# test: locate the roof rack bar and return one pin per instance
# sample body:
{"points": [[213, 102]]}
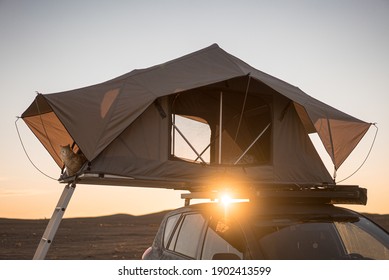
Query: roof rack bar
{"points": [[331, 194], [198, 195]]}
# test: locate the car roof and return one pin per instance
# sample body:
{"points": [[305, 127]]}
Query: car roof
{"points": [[250, 209]]}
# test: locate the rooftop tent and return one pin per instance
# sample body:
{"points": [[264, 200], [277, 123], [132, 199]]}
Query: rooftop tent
{"points": [[236, 122]]}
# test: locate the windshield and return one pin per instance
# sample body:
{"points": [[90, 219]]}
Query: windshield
{"points": [[322, 240]]}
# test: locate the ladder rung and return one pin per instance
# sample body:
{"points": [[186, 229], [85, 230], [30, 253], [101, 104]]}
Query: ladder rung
{"points": [[54, 222]]}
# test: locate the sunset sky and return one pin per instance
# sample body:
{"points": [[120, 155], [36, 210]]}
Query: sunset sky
{"points": [[336, 51]]}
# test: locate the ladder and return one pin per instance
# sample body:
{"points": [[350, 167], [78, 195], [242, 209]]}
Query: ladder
{"points": [[54, 222]]}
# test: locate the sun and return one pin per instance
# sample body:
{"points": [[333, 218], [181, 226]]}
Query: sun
{"points": [[226, 200]]}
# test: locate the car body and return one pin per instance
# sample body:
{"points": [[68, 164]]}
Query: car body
{"points": [[250, 230]]}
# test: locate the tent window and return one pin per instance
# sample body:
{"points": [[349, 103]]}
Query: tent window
{"points": [[191, 139], [245, 132]]}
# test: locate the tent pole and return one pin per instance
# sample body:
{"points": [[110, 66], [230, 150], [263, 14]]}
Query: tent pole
{"points": [[174, 135], [243, 107], [206, 148], [190, 145], [332, 147], [220, 127], [249, 147]]}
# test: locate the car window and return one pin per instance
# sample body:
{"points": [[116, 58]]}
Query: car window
{"points": [[170, 223], [302, 241], [223, 236], [363, 240], [186, 238]]}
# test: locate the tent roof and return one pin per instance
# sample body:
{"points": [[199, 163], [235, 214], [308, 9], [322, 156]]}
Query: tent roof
{"points": [[113, 105]]}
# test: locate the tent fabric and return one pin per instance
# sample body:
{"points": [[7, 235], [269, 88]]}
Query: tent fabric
{"points": [[123, 126], [138, 151]]}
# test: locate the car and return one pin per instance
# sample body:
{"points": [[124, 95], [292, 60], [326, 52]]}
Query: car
{"points": [[268, 230]]}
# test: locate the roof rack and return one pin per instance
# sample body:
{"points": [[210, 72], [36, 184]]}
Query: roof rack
{"points": [[313, 194], [319, 193]]}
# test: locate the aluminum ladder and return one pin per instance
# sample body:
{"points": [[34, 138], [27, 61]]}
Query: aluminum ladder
{"points": [[53, 225]]}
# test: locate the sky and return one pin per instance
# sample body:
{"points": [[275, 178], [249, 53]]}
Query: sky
{"points": [[336, 51]]}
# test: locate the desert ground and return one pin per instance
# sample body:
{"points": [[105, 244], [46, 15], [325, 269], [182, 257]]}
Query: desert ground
{"points": [[102, 238]]}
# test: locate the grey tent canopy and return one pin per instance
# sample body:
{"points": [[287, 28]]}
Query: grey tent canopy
{"points": [[256, 126]]}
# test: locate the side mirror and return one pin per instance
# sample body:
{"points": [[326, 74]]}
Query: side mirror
{"points": [[147, 253], [225, 256]]}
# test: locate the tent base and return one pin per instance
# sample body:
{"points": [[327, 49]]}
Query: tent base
{"points": [[274, 191], [114, 180]]}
